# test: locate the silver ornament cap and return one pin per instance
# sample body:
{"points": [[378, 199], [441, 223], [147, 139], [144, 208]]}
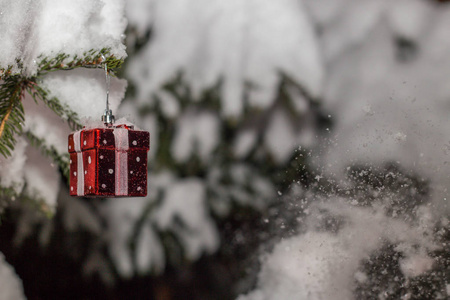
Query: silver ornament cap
{"points": [[108, 118]]}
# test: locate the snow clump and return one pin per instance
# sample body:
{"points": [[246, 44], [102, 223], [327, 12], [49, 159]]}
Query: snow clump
{"points": [[247, 42], [31, 28], [324, 265]]}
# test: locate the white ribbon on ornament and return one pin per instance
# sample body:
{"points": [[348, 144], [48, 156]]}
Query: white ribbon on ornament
{"points": [[80, 167], [121, 168]]}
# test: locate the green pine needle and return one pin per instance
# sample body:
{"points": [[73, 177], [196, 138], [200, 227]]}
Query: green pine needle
{"points": [[63, 111], [11, 112], [89, 59]]}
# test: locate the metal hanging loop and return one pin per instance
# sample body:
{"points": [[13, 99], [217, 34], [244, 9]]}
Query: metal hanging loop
{"points": [[108, 117]]}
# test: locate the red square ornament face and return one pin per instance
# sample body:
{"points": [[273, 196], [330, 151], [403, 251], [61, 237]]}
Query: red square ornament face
{"points": [[109, 162]]}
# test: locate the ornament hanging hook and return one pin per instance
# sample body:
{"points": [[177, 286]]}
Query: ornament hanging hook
{"points": [[107, 117]]}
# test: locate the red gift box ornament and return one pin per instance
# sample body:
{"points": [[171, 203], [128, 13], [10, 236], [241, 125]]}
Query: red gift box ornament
{"points": [[109, 160]]}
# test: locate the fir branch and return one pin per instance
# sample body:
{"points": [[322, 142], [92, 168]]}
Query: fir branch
{"points": [[11, 112], [89, 59], [5, 73], [63, 111], [62, 160], [5, 118], [6, 196], [9, 195]]}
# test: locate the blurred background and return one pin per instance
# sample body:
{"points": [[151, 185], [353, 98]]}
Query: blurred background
{"points": [[258, 110]]}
